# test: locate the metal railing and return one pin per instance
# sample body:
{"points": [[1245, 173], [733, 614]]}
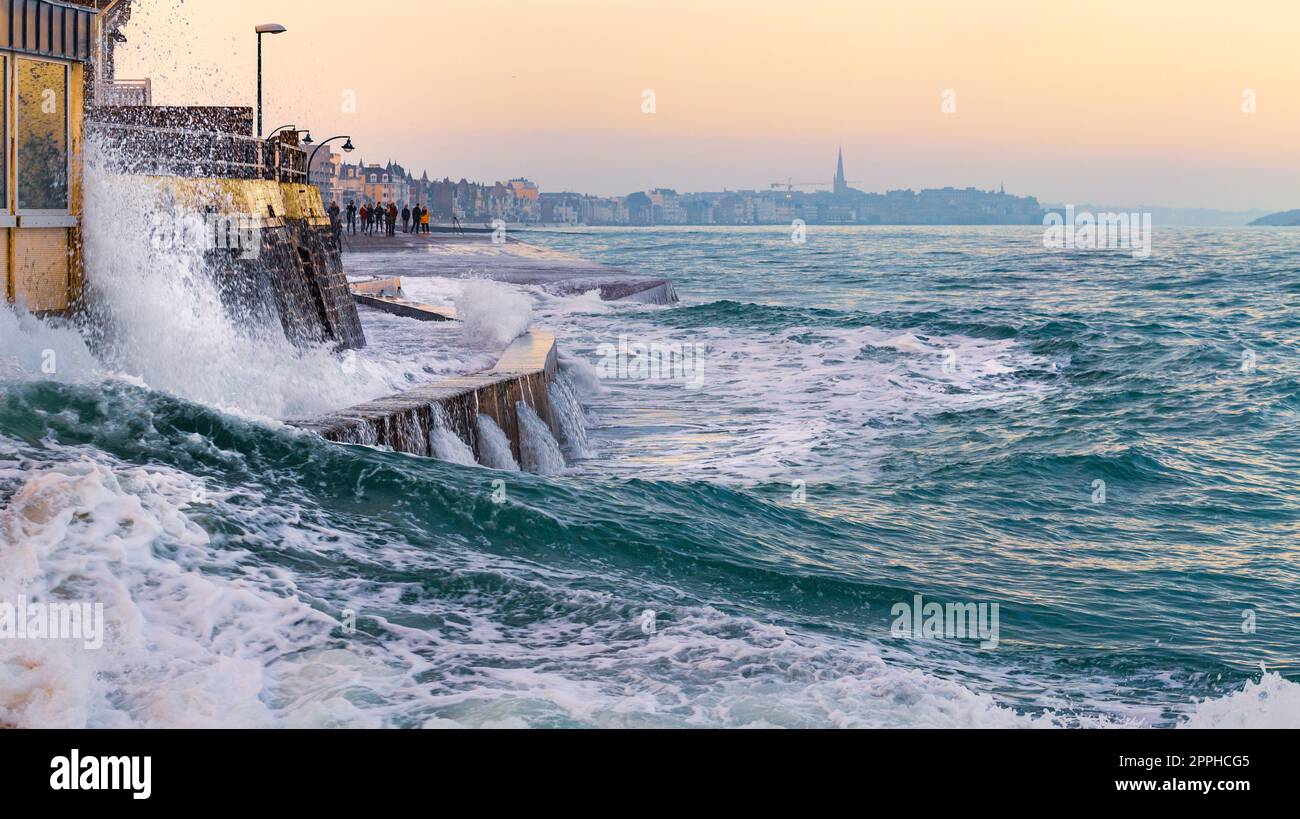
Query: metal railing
{"points": [[148, 151], [125, 92]]}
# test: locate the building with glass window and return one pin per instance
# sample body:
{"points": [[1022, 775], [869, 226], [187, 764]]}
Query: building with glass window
{"points": [[45, 46]]}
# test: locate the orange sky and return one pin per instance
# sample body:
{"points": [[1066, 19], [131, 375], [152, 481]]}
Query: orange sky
{"points": [[1092, 101]]}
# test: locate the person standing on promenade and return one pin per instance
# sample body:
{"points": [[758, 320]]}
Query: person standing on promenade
{"points": [[365, 219], [406, 218], [336, 222], [424, 219], [392, 218], [352, 216]]}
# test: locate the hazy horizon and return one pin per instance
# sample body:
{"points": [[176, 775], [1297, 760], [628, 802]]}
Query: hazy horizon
{"points": [[1104, 104]]}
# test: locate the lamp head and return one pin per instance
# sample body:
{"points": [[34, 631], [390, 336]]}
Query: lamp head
{"points": [[348, 146], [271, 28]]}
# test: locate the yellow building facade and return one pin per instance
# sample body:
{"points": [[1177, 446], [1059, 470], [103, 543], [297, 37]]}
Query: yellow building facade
{"points": [[45, 47]]}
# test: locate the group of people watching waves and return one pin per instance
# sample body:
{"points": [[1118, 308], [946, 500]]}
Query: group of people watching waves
{"points": [[381, 218]]}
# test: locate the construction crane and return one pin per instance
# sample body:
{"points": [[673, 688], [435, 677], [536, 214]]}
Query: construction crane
{"points": [[790, 185]]}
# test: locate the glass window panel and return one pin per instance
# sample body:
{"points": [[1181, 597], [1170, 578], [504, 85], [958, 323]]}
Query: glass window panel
{"points": [[29, 30], [4, 138], [42, 123], [83, 36], [57, 13]]}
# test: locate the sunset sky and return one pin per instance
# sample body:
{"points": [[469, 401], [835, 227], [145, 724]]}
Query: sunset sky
{"points": [[1109, 101]]}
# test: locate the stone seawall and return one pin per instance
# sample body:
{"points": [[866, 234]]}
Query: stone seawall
{"points": [[387, 295], [477, 256], [286, 267], [404, 422]]}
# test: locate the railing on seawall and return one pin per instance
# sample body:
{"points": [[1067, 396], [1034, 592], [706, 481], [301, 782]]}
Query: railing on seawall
{"points": [[154, 151], [124, 92]]}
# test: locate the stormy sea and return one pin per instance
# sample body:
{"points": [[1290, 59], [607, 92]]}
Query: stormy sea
{"points": [[1094, 454]]}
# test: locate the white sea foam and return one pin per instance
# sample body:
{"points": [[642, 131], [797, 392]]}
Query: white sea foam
{"points": [[1270, 702], [192, 639], [776, 403], [201, 634]]}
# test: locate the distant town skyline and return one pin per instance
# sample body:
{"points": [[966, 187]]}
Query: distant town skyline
{"points": [[1106, 104]]}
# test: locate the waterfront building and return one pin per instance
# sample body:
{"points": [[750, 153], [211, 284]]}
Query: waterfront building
{"points": [[45, 52], [349, 185], [665, 207], [381, 184]]}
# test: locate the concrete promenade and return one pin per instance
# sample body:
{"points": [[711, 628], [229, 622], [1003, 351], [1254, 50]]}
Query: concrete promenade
{"points": [[474, 255]]}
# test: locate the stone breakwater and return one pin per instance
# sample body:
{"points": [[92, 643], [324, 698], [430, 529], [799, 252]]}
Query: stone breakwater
{"points": [[409, 421], [476, 255], [447, 419]]}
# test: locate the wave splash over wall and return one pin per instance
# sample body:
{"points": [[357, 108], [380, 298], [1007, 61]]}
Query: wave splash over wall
{"points": [[158, 312]]}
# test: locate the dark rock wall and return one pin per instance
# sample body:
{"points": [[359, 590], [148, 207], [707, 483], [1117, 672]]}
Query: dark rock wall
{"points": [[297, 278]]}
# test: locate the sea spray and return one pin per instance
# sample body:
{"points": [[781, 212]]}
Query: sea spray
{"points": [[160, 313], [43, 348], [569, 417], [445, 444], [494, 446], [582, 376], [541, 452], [492, 314]]}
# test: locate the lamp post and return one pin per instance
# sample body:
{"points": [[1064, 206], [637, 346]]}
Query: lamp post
{"points": [[348, 147], [293, 129], [265, 28]]}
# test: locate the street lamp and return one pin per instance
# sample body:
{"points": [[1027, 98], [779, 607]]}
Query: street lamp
{"points": [[293, 129], [348, 147], [265, 28]]}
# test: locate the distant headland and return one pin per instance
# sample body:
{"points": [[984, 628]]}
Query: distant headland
{"points": [[1287, 218]]}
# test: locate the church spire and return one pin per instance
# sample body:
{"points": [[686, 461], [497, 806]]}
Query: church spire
{"points": [[841, 185]]}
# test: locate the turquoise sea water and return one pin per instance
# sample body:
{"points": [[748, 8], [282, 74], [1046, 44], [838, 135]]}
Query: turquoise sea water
{"points": [[880, 413]]}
